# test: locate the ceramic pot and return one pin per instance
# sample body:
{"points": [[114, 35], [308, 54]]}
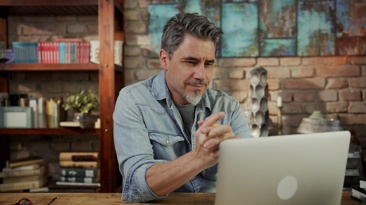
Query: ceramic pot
{"points": [[85, 120]]}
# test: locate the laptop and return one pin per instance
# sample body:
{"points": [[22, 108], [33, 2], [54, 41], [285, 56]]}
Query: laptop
{"points": [[300, 169]]}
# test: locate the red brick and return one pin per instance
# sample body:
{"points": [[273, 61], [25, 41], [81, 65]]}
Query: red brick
{"points": [[302, 71], [134, 62], [132, 51], [130, 4], [305, 96], [308, 83], [267, 62], [324, 60], [338, 71], [310, 107], [273, 84], [337, 83], [235, 62], [349, 95], [153, 63], [144, 3], [277, 72], [132, 15], [233, 85], [292, 108], [236, 73], [143, 74], [135, 27], [328, 95], [354, 120], [336, 107], [357, 107], [289, 61], [240, 95], [357, 60], [357, 82]]}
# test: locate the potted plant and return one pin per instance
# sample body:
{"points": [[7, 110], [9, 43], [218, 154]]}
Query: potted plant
{"points": [[82, 104]]}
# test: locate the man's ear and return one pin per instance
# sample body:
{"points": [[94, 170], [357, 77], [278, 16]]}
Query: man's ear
{"points": [[163, 57]]}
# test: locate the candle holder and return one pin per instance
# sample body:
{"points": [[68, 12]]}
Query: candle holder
{"points": [[279, 120]]}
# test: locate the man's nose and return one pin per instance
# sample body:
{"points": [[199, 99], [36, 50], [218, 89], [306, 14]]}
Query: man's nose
{"points": [[199, 71]]}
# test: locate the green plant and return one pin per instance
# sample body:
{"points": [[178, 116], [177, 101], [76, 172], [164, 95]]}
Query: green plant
{"points": [[82, 102]]}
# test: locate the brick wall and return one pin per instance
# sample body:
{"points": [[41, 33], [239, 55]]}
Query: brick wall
{"points": [[334, 85]]}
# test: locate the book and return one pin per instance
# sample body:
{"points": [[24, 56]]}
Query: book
{"points": [[24, 185], [20, 179], [97, 184], [78, 172], [81, 164], [40, 171], [69, 124], [26, 167], [24, 161], [358, 193], [78, 156], [78, 179]]}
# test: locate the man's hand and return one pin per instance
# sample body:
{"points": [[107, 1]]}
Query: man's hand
{"points": [[209, 136]]}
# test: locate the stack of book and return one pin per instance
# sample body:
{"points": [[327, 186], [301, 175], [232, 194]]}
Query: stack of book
{"points": [[359, 191], [23, 174], [79, 169]]}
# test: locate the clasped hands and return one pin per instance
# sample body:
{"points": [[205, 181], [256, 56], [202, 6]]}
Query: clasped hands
{"points": [[209, 136]]}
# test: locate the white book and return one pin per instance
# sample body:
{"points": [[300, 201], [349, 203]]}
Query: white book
{"points": [[33, 103], [78, 183], [22, 168]]}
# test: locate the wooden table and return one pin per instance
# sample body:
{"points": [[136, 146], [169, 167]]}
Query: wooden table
{"points": [[115, 198]]}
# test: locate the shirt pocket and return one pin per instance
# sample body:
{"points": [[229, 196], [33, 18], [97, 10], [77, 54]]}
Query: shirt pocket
{"points": [[167, 146]]}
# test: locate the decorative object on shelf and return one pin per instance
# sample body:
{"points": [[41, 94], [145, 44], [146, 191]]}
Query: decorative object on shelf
{"points": [[118, 52], [83, 103], [259, 117], [317, 123], [279, 115], [16, 117]]}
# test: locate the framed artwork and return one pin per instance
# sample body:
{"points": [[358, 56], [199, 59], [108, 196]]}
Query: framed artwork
{"points": [[16, 117]]}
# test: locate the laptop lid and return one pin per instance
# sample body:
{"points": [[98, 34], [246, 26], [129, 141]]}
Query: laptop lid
{"points": [[299, 169]]}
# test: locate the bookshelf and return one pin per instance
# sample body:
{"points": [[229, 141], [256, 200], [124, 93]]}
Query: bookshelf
{"points": [[111, 78]]}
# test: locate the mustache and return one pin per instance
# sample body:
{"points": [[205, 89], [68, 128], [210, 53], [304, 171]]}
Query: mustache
{"points": [[198, 82]]}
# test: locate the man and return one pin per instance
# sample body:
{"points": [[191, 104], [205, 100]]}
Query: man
{"points": [[167, 129]]}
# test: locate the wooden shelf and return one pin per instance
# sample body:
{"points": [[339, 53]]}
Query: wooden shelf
{"points": [[50, 67], [48, 131], [111, 77]]}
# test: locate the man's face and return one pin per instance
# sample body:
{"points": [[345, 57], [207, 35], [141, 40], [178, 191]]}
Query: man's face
{"points": [[189, 70]]}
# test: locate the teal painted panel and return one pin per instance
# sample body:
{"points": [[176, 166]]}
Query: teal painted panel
{"points": [[316, 35], [240, 26], [278, 47], [351, 18], [159, 15], [277, 18]]}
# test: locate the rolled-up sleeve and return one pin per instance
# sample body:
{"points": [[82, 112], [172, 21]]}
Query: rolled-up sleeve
{"points": [[133, 148]]}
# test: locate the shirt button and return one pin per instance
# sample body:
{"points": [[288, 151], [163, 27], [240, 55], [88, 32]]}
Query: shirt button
{"points": [[167, 141]]}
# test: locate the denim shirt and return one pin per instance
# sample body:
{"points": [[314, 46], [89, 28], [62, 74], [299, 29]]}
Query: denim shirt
{"points": [[148, 129]]}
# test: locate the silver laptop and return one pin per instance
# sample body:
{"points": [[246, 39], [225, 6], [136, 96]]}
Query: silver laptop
{"points": [[301, 169]]}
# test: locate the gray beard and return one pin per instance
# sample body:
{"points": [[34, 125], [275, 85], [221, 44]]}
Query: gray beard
{"points": [[194, 100]]}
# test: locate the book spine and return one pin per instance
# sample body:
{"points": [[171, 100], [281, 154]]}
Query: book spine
{"points": [[81, 164], [21, 185], [78, 172], [78, 179], [21, 173], [78, 156]]}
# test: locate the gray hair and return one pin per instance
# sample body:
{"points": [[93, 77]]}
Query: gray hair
{"points": [[188, 23]]}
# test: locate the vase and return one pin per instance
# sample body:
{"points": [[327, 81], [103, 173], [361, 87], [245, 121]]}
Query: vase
{"points": [[85, 119]]}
